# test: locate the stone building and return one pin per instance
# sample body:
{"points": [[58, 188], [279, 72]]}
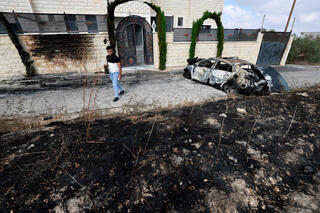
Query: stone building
{"points": [[71, 36]]}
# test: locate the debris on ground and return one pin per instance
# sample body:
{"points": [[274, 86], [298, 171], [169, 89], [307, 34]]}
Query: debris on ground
{"points": [[205, 158]]}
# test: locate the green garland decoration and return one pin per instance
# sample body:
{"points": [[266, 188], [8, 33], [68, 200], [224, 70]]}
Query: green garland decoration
{"points": [[196, 26], [162, 33]]}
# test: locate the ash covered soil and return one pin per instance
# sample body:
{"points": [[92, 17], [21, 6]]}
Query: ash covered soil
{"points": [[244, 154]]}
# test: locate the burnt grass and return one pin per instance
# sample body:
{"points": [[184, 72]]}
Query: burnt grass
{"points": [[190, 159]]}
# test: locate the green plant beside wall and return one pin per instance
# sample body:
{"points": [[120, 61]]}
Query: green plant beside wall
{"points": [[110, 20], [162, 35], [24, 55], [196, 26], [305, 50]]}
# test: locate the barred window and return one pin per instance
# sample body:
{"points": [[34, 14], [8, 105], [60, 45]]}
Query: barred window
{"points": [[71, 23], [92, 25]]}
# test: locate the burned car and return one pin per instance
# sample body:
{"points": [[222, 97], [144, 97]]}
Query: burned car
{"points": [[235, 76]]}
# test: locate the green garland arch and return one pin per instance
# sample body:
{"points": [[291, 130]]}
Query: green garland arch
{"points": [[196, 26], [161, 22], [162, 35]]}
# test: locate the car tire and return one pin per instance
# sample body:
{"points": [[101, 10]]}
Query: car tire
{"points": [[230, 88], [187, 74]]}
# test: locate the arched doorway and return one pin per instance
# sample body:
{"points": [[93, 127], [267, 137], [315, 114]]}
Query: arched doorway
{"points": [[135, 41]]}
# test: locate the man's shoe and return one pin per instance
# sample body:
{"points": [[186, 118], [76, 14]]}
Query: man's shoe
{"points": [[122, 92], [115, 99]]}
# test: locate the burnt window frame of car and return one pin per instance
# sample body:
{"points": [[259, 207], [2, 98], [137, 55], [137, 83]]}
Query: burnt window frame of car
{"points": [[211, 64], [230, 64]]}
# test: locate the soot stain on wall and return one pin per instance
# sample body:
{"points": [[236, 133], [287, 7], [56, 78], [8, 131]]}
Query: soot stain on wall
{"points": [[64, 46]]}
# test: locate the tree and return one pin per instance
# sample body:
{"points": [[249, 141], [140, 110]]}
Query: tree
{"points": [[24, 55], [196, 26]]}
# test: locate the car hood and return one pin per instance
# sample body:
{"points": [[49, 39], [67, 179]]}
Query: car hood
{"points": [[274, 79]]}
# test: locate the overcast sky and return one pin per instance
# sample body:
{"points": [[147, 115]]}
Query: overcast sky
{"points": [[249, 14]]}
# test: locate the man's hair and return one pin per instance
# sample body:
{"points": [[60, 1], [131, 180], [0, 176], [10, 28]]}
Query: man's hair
{"points": [[109, 48]]}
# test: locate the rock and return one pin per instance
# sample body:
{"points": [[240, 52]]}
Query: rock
{"points": [[31, 146], [243, 143], [288, 173], [276, 189], [304, 94], [242, 111], [256, 155], [223, 115], [235, 160], [186, 151], [213, 122], [260, 137], [272, 181], [196, 145], [175, 149], [75, 205], [177, 160]]}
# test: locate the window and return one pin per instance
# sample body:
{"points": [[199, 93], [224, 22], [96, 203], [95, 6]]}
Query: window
{"points": [[91, 22], [207, 63], [169, 24], [71, 23], [13, 24], [180, 22], [224, 66], [51, 18]]}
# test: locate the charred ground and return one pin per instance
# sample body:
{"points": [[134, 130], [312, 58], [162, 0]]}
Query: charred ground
{"points": [[207, 158]]}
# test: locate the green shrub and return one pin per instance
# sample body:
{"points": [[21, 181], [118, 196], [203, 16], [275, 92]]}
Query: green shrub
{"points": [[162, 35], [305, 50], [196, 26]]}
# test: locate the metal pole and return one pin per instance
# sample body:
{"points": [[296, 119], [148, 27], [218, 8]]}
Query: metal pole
{"points": [[264, 17], [294, 20], [292, 8]]}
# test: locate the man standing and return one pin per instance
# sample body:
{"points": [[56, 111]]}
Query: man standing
{"points": [[115, 69]]}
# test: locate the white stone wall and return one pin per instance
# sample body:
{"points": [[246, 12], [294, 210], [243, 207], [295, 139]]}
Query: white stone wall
{"points": [[190, 10], [133, 8], [54, 6], [178, 52], [11, 65], [10, 62], [16, 5]]}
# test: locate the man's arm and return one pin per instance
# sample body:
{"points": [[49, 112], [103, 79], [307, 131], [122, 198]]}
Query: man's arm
{"points": [[120, 70]]}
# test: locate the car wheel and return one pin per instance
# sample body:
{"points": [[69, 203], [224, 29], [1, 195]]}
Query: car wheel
{"points": [[187, 74], [230, 88]]}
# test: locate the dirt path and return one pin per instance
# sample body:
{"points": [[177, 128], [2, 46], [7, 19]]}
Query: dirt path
{"points": [[145, 90], [248, 154]]}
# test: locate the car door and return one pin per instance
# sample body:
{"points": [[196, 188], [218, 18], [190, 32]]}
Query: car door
{"points": [[202, 70], [220, 73]]}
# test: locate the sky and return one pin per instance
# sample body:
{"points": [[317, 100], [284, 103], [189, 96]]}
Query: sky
{"points": [[249, 14]]}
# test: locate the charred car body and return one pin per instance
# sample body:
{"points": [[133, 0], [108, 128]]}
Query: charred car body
{"points": [[235, 76]]}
